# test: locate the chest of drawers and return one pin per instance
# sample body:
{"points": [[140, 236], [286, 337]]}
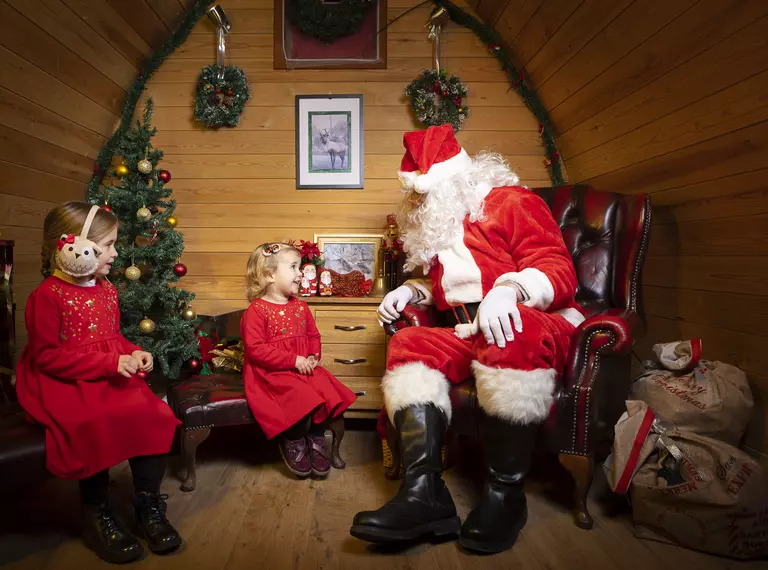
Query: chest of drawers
{"points": [[354, 347]]}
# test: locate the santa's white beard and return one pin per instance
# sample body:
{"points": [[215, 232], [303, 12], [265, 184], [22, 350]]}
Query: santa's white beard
{"points": [[434, 225]]}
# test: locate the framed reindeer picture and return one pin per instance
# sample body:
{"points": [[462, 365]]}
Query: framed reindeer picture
{"points": [[329, 141]]}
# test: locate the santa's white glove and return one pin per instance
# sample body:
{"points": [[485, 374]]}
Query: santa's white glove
{"points": [[393, 304], [496, 315]]}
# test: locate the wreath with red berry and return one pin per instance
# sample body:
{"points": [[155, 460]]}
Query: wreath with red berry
{"points": [[438, 98], [220, 100]]}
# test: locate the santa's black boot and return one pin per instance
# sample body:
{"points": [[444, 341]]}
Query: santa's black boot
{"points": [[494, 525], [423, 506]]}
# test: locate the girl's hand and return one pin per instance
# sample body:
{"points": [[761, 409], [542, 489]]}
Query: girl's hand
{"points": [[127, 365], [313, 360], [303, 365], [145, 360]]}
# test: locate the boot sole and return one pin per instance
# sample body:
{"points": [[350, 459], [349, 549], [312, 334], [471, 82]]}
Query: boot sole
{"points": [[112, 557], [445, 527], [165, 548], [494, 547]]}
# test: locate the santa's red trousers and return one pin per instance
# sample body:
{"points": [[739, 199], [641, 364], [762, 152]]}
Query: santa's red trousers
{"points": [[515, 383]]}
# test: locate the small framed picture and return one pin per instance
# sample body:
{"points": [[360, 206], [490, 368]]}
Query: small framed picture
{"points": [[329, 141], [349, 252]]}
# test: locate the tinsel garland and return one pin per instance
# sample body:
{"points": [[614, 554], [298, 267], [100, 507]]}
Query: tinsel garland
{"points": [[132, 96], [220, 101], [436, 99], [327, 21], [518, 82]]}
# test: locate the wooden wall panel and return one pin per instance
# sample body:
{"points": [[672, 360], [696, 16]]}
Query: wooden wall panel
{"points": [[671, 99], [64, 68], [236, 188]]}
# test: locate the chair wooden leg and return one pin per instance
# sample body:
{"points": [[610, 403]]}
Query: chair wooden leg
{"points": [[191, 439], [337, 433], [395, 471], [582, 469]]}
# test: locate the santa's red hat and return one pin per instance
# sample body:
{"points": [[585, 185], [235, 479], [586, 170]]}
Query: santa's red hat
{"points": [[431, 156]]}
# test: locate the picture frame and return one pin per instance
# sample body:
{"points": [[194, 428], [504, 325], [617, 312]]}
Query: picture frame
{"points": [[348, 252], [365, 49], [329, 141]]}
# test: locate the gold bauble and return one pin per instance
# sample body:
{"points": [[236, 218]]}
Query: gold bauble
{"points": [[147, 326], [189, 314], [145, 167], [132, 273], [143, 214], [122, 170], [172, 221]]}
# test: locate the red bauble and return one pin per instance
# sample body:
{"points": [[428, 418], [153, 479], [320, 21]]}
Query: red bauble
{"points": [[164, 176], [107, 208], [180, 269], [194, 365], [436, 86], [142, 375]]}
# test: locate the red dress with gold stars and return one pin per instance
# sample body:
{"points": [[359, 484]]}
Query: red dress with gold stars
{"points": [[67, 381], [278, 395]]}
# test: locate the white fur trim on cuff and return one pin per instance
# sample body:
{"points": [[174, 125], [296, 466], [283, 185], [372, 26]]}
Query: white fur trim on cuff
{"points": [[517, 396], [534, 283], [415, 383], [425, 287]]}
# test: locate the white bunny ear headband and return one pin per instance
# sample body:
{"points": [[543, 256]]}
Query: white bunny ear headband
{"points": [[78, 256]]}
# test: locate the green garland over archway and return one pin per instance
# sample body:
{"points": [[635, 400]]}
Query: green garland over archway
{"points": [[132, 96], [488, 35], [518, 82]]}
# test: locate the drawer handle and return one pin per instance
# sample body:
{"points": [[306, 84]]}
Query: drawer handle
{"points": [[360, 394], [349, 328], [350, 360]]}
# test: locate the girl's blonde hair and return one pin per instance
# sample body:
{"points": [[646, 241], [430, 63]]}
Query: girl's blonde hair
{"points": [[261, 263], [69, 218]]}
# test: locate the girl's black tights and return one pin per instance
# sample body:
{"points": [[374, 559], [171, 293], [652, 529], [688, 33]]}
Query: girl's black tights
{"points": [[147, 471], [304, 426]]}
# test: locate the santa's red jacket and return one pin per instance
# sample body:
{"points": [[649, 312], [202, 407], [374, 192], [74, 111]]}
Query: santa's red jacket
{"points": [[518, 242]]}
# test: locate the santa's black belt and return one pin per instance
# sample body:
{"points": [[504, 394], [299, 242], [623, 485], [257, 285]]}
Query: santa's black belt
{"points": [[462, 314]]}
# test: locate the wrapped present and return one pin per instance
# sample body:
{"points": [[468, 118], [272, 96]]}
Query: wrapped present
{"points": [[229, 358]]}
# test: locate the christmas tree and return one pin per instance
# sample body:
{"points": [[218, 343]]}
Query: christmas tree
{"points": [[153, 314]]}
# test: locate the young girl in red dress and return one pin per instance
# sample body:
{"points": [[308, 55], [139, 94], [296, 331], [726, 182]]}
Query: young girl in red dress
{"points": [[289, 393], [83, 381]]}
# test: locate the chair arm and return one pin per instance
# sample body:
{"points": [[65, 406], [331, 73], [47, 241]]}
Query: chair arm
{"points": [[413, 316], [606, 334]]}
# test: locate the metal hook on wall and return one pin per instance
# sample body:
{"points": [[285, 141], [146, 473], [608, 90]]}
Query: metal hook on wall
{"points": [[223, 26], [435, 23]]}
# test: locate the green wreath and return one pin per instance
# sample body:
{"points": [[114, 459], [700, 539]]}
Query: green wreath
{"points": [[438, 98], [327, 22], [220, 102]]}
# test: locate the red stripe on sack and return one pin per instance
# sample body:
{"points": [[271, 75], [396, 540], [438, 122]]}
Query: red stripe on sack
{"points": [[637, 445], [695, 352]]}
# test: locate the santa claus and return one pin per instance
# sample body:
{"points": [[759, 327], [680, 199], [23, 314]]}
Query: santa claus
{"points": [[495, 257], [325, 287], [308, 287]]}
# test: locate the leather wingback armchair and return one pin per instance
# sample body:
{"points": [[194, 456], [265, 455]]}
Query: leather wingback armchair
{"points": [[607, 235]]}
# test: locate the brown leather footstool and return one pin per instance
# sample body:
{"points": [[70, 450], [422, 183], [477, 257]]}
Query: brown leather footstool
{"points": [[206, 402]]}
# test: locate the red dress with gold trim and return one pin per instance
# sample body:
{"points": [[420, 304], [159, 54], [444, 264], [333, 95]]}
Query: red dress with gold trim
{"points": [[278, 395], [67, 381]]}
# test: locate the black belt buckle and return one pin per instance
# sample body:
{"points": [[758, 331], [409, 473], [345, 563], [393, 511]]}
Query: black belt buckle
{"points": [[464, 314]]}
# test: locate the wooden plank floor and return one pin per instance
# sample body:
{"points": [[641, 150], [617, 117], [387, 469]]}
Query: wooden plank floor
{"points": [[246, 513]]}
